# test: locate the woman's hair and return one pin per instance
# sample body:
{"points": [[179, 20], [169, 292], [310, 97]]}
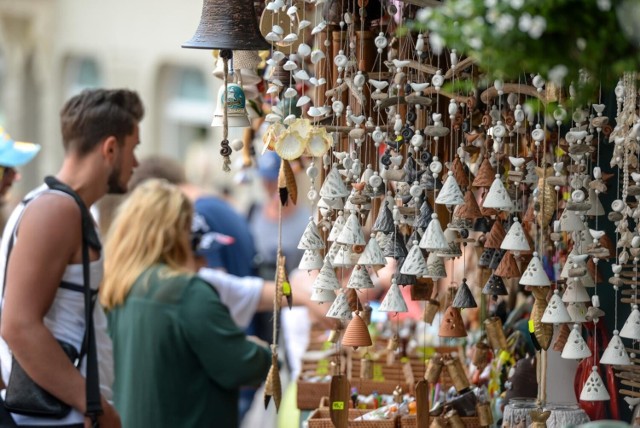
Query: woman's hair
{"points": [[152, 226]]}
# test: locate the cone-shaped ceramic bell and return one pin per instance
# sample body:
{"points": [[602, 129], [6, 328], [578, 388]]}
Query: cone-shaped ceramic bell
{"points": [[311, 260], [360, 278], [615, 353], [327, 278], [535, 274], [485, 176], [570, 222], [393, 301], [508, 267], [496, 259], [310, 239], [452, 324], [356, 334], [340, 308], [372, 254], [594, 389], [464, 297], [384, 221], [337, 227], [495, 286], [396, 247], [333, 186], [496, 235], [469, 209], [435, 267], [236, 107], [351, 233], [631, 327], [450, 194], [344, 257], [572, 258], [497, 197], [453, 250], [556, 312], [515, 239], [459, 173], [424, 218], [433, 238], [481, 224], [577, 311], [322, 295], [331, 253], [596, 206], [415, 263], [404, 279], [575, 348], [485, 257], [575, 292]]}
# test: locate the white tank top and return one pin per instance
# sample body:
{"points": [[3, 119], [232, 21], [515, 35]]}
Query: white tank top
{"points": [[65, 318]]}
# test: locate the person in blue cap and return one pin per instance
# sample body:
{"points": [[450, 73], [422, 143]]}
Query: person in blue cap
{"points": [[12, 155]]}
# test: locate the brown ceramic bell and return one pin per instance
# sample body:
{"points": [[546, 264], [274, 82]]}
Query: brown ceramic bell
{"points": [[481, 355], [508, 267], [485, 417], [434, 368], [495, 333], [430, 310], [485, 175], [452, 324], [470, 208], [459, 173], [228, 25], [357, 334], [422, 289], [457, 374], [496, 235]]}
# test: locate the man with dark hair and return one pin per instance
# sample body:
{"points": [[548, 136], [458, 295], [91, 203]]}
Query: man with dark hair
{"points": [[42, 280]]}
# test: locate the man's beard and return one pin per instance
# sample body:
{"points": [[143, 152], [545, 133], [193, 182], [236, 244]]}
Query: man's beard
{"points": [[114, 187]]}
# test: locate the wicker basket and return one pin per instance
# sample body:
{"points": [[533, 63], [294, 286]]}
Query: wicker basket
{"points": [[411, 421], [310, 393], [321, 418]]}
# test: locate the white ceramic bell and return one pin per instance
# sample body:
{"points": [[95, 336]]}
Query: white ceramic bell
{"points": [[327, 278], [360, 279], [311, 260], [596, 206], [351, 233], [414, 263], [433, 238], [575, 292], [236, 107], [393, 301], [333, 186], [372, 254], [331, 253], [577, 311], [570, 222], [575, 348], [631, 327], [497, 197], [435, 267], [594, 389], [340, 308], [322, 295], [343, 257], [564, 273], [337, 227], [535, 274], [556, 312], [450, 194], [311, 239], [615, 353], [515, 239]]}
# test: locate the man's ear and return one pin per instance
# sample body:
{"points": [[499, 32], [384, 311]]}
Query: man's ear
{"points": [[109, 147]]}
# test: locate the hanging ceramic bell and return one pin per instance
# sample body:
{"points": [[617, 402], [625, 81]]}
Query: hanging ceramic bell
{"points": [[508, 267], [450, 193], [485, 175], [570, 222], [464, 297], [485, 257], [577, 311], [498, 255], [372, 254], [331, 252], [495, 236], [435, 267], [594, 389], [434, 368], [340, 308], [498, 197], [333, 186], [576, 348], [422, 289], [457, 374], [393, 301], [515, 239], [360, 279], [384, 221], [415, 263], [356, 334], [322, 295], [556, 312], [485, 416], [452, 324], [481, 355], [311, 260], [575, 292], [535, 275], [495, 286], [433, 238], [344, 257], [327, 278], [631, 327], [615, 352], [337, 227], [469, 209], [235, 105], [495, 333], [310, 239], [396, 247], [351, 233], [596, 206], [481, 224], [424, 218]]}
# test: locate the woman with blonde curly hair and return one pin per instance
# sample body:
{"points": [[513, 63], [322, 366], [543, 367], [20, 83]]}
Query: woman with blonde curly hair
{"points": [[179, 358]]}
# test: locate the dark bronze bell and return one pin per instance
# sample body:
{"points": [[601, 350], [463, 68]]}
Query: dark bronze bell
{"points": [[228, 25]]}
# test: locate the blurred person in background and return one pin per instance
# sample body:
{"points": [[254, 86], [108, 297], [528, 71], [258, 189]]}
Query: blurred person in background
{"points": [[179, 358]]}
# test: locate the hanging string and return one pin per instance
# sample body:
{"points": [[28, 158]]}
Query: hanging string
{"points": [[225, 149]]}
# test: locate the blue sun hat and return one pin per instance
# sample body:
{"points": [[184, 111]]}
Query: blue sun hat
{"points": [[269, 166], [15, 153]]}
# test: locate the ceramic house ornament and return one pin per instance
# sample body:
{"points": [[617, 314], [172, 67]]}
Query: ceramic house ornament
{"points": [[351, 233], [576, 348], [556, 312], [615, 353], [515, 239], [433, 238], [340, 308], [631, 327], [415, 263], [450, 194], [360, 279], [594, 389], [497, 197], [435, 267], [372, 254], [393, 301], [535, 275], [311, 260], [333, 186], [327, 279], [310, 239]]}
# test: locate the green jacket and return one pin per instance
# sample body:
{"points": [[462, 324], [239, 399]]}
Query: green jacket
{"points": [[179, 358]]}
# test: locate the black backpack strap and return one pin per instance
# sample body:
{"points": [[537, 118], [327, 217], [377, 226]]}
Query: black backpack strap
{"points": [[89, 239]]}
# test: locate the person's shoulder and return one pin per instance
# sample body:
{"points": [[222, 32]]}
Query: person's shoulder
{"points": [[207, 203], [52, 207]]}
